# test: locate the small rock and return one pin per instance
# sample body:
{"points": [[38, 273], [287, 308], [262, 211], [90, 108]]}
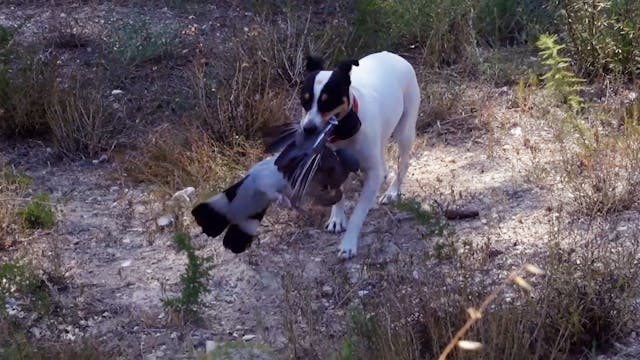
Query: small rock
{"points": [[248, 337], [36, 332], [362, 293], [517, 131], [183, 194], [102, 158], [126, 263], [164, 221], [327, 290], [117, 92], [210, 346]]}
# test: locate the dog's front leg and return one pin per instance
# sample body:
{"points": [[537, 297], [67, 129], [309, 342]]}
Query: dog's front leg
{"points": [[370, 188]]}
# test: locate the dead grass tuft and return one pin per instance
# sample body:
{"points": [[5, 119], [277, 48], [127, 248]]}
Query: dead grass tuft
{"points": [[601, 169], [177, 157], [81, 119], [584, 302]]}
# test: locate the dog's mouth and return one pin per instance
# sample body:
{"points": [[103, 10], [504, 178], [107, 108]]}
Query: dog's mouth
{"points": [[300, 159]]}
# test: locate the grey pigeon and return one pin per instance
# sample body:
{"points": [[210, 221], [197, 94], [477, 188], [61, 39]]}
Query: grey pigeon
{"points": [[240, 208]]}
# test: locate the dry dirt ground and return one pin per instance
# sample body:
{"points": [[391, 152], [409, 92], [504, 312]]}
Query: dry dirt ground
{"points": [[290, 286]]}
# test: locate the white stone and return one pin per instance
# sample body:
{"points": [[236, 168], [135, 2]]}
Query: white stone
{"points": [[183, 194], [210, 346], [164, 221], [248, 337]]}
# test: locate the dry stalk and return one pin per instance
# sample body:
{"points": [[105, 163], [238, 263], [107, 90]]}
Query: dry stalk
{"points": [[476, 314]]}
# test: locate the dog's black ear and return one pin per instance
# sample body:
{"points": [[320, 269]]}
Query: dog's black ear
{"points": [[314, 63], [345, 66]]}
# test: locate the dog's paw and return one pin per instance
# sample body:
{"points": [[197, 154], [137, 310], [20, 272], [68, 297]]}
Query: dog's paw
{"points": [[337, 222], [348, 248], [390, 197]]}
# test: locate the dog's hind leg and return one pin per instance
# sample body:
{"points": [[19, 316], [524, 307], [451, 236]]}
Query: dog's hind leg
{"points": [[405, 134]]}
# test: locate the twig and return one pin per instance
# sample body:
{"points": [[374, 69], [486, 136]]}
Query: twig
{"points": [[476, 314]]}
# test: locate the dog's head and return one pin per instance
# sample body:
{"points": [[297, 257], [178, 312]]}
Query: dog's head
{"points": [[324, 93]]}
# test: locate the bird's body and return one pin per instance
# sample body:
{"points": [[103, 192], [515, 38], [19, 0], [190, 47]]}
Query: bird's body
{"points": [[240, 208]]}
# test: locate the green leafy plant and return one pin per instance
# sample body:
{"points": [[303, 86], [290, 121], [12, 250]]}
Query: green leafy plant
{"points": [[433, 222], [38, 214], [194, 279], [19, 280], [558, 78], [138, 42], [602, 36], [443, 29]]}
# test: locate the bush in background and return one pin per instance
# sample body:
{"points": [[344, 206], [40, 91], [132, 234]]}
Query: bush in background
{"points": [[602, 36]]}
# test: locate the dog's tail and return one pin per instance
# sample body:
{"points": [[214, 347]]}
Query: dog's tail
{"points": [[213, 217]]}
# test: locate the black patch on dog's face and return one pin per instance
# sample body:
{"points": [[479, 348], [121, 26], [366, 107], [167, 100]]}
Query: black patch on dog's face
{"points": [[335, 92], [306, 92], [313, 66], [232, 191]]}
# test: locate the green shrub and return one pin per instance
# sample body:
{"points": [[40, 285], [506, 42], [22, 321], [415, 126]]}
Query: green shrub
{"points": [[25, 91], [19, 280], [558, 79], [431, 220], [137, 42], [442, 28], [38, 214], [194, 279], [602, 36], [511, 22]]}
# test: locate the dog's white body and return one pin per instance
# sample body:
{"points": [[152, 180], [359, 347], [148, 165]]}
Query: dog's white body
{"points": [[387, 92]]}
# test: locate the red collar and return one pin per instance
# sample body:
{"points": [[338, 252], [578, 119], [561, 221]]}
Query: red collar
{"points": [[349, 127]]}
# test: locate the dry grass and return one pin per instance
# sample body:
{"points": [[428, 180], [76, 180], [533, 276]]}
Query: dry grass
{"points": [[82, 121], [177, 157], [583, 304], [602, 171]]}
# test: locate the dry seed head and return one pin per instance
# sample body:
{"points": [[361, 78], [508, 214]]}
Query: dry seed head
{"points": [[522, 283], [534, 269], [474, 313], [469, 345]]}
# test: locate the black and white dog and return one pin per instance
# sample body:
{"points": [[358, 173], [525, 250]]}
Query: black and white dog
{"points": [[375, 99]]}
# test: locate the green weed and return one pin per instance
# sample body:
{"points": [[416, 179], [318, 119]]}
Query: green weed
{"points": [[602, 36], [432, 221], [18, 280], [193, 281], [137, 42], [558, 79], [443, 29], [38, 214]]}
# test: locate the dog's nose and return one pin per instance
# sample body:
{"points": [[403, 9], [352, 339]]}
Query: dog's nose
{"points": [[309, 129]]}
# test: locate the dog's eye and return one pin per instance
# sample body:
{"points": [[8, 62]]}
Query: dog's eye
{"points": [[324, 97], [305, 99]]}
